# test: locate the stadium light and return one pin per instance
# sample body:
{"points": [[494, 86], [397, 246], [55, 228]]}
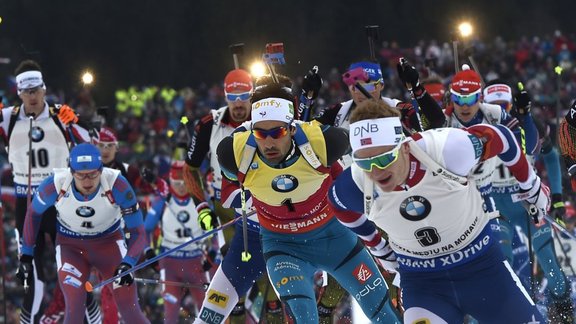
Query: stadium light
{"points": [[257, 69], [87, 78], [465, 29]]}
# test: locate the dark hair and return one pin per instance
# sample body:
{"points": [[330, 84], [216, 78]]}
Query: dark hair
{"points": [[269, 90], [372, 109], [27, 65], [267, 79]]}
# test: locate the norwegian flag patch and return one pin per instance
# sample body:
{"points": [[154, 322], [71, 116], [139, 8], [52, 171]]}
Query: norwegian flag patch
{"points": [[366, 141]]}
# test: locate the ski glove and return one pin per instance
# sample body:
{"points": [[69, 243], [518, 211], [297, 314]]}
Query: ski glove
{"points": [[536, 200], [522, 102], [557, 208], [408, 75], [207, 219], [25, 272], [312, 84], [67, 115], [125, 280]]}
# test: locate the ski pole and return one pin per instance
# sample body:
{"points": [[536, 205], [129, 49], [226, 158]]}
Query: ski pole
{"points": [[89, 287], [237, 50], [559, 227], [147, 281], [372, 33]]}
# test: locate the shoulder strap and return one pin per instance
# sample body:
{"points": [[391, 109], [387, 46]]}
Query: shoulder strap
{"points": [[306, 148], [247, 157], [434, 166], [13, 119], [53, 112], [301, 141], [107, 187], [63, 186]]}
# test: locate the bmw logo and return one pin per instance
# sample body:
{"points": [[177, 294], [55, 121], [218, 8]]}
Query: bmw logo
{"points": [[37, 134], [284, 183], [85, 211], [415, 208], [183, 216]]}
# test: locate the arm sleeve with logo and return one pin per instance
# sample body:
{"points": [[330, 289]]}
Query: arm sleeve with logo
{"points": [[126, 199], [499, 141], [347, 201], [45, 198]]}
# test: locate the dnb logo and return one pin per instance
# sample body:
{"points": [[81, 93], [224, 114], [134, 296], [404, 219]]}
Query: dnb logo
{"points": [[183, 216], [217, 298], [37, 134], [284, 183], [85, 211], [415, 208], [211, 317]]}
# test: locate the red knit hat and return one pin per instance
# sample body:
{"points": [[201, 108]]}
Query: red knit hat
{"points": [[238, 80], [435, 90], [466, 82], [107, 135], [177, 170]]}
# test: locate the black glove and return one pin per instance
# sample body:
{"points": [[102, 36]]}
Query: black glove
{"points": [[25, 272], [149, 254], [210, 257], [148, 174], [126, 280], [522, 102], [207, 219], [408, 75], [312, 83], [557, 209]]}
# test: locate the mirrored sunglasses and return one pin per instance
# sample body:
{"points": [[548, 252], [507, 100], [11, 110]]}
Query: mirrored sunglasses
{"points": [[238, 96], [371, 86], [381, 161], [275, 133], [465, 100]]}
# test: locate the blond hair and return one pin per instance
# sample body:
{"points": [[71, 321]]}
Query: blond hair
{"points": [[372, 109]]}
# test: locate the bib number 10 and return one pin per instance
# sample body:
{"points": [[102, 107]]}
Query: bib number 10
{"points": [[39, 158]]}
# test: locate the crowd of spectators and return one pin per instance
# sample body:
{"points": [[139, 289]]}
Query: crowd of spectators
{"points": [[154, 130]]}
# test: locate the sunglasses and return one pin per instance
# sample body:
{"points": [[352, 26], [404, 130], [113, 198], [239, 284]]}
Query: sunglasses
{"points": [[83, 176], [465, 100], [381, 161], [275, 133], [177, 183], [370, 87], [244, 96], [31, 91], [104, 145]]}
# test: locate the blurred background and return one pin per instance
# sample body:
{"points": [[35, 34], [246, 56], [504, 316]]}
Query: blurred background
{"points": [[139, 66]]}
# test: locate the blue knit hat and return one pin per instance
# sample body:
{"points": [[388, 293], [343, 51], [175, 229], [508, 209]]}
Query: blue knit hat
{"points": [[372, 69], [85, 157]]}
